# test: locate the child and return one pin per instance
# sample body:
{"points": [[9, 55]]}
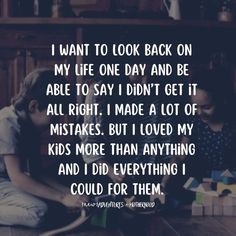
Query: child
{"points": [[20, 126], [214, 129]]}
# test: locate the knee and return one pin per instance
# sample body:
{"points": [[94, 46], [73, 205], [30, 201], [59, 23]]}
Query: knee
{"points": [[37, 215]]}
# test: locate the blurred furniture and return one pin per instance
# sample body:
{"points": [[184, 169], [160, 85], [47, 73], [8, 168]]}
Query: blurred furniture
{"points": [[23, 49]]}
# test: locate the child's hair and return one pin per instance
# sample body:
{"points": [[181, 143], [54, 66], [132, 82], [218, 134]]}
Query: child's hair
{"points": [[34, 87]]}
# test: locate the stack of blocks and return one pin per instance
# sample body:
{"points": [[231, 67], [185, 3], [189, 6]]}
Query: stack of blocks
{"points": [[218, 202]]}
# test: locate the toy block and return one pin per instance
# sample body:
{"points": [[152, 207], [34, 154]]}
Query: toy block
{"points": [[221, 188], [227, 173], [229, 200], [197, 209], [227, 177], [208, 210], [205, 189], [199, 198], [233, 196], [211, 200], [207, 180], [208, 200], [227, 180], [199, 189], [206, 186], [191, 183], [229, 210], [218, 201], [218, 210], [212, 193], [204, 199], [216, 175]]}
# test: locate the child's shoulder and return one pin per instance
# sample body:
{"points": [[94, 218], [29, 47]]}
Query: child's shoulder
{"points": [[9, 119], [10, 131]]}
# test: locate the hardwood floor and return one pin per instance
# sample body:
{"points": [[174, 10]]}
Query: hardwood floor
{"points": [[16, 231], [154, 226]]}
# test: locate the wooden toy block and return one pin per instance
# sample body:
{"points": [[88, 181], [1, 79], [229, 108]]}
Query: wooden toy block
{"points": [[191, 183], [217, 210], [207, 180], [204, 189], [199, 189], [227, 180], [204, 199], [221, 187], [233, 196], [229, 200], [228, 177], [212, 193], [208, 210], [197, 209], [218, 201], [199, 198], [227, 210], [216, 175], [206, 186], [227, 173], [209, 200]]}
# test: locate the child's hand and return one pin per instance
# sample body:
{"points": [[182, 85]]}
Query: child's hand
{"points": [[71, 201], [115, 178]]}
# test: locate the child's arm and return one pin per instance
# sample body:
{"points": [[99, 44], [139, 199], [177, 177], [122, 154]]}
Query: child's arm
{"points": [[175, 159], [115, 178], [54, 184], [28, 184]]}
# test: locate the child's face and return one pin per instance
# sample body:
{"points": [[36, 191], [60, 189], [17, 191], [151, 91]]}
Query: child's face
{"points": [[205, 106], [40, 119]]}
